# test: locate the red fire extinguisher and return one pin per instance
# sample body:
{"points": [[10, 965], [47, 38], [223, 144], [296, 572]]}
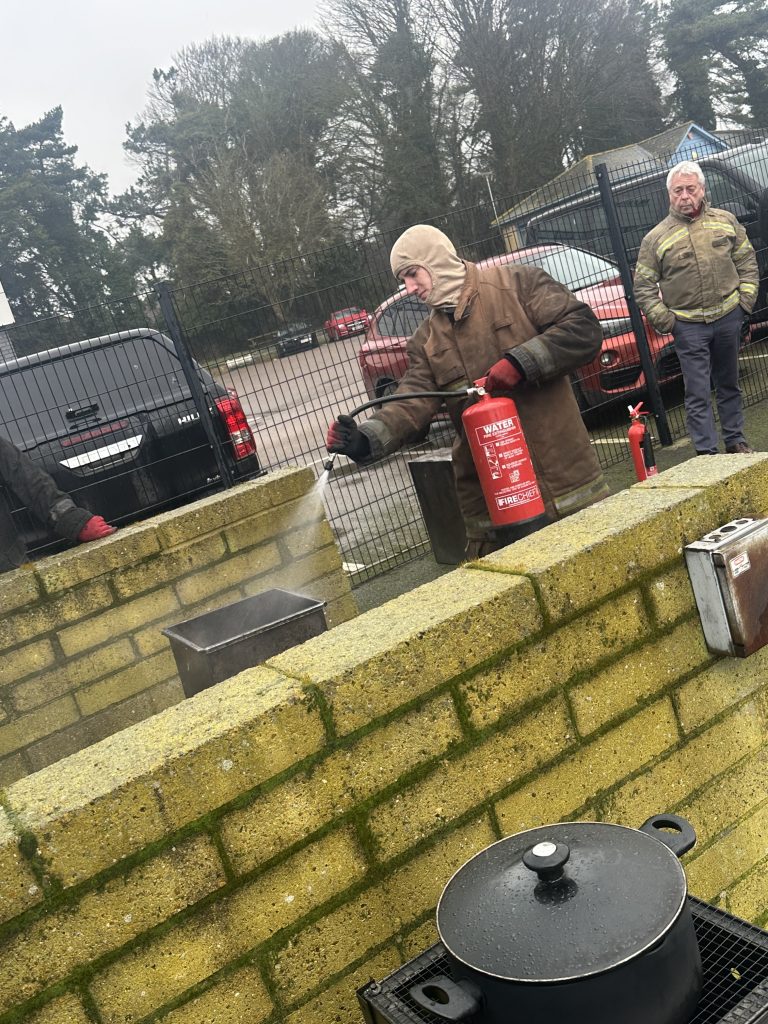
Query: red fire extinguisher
{"points": [[640, 444], [502, 460]]}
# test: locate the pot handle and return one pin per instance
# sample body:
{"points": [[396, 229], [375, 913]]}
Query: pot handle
{"points": [[447, 999], [681, 837]]}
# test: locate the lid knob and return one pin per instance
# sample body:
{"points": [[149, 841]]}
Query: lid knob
{"points": [[547, 860]]}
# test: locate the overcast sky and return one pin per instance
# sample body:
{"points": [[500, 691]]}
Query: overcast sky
{"points": [[95, 59]]}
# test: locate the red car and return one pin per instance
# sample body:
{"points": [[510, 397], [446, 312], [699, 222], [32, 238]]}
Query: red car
{"points": [[614, 373], [344, 323]]}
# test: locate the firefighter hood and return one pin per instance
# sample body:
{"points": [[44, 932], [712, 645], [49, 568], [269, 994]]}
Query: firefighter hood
{"points": [[425, 246]]}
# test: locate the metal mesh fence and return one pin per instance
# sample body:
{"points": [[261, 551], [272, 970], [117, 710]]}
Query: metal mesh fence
{"points": [[277, 351]]}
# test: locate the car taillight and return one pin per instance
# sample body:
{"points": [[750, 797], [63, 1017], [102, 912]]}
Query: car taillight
{"points": [[240, 433]]}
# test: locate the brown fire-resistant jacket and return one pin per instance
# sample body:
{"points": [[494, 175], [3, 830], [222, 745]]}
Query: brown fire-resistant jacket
{"points": [[523, 311], [705, 267]]}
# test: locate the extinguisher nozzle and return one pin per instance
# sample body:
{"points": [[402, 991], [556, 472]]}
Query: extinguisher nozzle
{"points": [[328, 466]]}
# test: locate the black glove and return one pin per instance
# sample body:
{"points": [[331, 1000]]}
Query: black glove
{"points": [[345, 438]]}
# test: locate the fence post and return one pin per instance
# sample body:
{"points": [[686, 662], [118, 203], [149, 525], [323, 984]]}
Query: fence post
{"points": [[199, 395], [638, 327]]}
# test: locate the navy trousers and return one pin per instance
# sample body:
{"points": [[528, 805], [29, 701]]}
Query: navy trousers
{"points": [[709, 355]]}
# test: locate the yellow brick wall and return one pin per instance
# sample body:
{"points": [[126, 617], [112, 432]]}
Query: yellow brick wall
{"points": [[82, 654], [258, 852]]}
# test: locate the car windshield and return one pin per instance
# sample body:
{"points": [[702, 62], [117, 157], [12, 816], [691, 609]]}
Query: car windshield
{"points": [[352, 311], [575, 268], [752, 161]]}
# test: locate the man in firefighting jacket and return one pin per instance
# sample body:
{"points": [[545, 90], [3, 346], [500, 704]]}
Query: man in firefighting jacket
{"points": [[42, 497], [521, 329]]}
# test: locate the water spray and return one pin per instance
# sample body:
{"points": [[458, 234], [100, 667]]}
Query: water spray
{"points": [[476, 391]]}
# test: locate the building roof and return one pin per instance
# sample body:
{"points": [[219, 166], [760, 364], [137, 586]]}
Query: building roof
{"points": [[658, 152]]}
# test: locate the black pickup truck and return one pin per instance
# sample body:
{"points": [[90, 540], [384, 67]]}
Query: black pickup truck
{"points": [[112, 419]]}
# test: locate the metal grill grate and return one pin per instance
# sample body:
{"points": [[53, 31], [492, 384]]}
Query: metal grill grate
{"points": [[734, 956]]}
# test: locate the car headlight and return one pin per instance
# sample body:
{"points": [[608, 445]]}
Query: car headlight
{"points": [[613, 328]]}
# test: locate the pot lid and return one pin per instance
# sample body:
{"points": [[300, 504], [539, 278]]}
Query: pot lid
{"points": [[561, 902]]}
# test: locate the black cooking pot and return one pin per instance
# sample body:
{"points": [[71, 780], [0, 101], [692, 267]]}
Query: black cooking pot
{"points": [[581, 921]]}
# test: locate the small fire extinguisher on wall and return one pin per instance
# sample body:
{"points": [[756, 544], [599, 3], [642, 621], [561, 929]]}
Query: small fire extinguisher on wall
{"points": [[502, 460], [640, 443]]}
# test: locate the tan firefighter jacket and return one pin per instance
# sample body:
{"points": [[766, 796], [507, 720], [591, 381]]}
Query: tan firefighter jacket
{"points": [[520, 310], [704, 266]]}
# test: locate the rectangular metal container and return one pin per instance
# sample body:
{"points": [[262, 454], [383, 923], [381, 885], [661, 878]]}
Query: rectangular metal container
{"points": [[219, 644], [728, 569]]}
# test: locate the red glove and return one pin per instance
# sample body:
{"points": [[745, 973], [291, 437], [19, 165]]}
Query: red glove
{"points": [[345, 438], [503, 376], [95, 528]]}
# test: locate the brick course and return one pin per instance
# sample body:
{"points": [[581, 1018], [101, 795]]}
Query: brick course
{"points": [[259, 852]]}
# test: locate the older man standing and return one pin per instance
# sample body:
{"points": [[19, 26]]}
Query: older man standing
{"points": [[696, 276]]}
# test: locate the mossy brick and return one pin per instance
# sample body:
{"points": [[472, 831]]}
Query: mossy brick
{"points": [[338, 1004], [257, 528], [419, 939], [549, 662], [165, 967], [685, 770], [671, 596], [213, 513], [719, 687], [141, 675], [580, 560], [341, 610], [333, 943], [239, 997], [291, 575], [460, 783], [337, 784], [13, 768], [746, 899], [227, 573], [54, 613], [196, 556], [115, 797], [66, 1009], [300, 883], [18, 588], [107, 722], [102, 921], [558, 793], [18, 885], [637, 677], [730, 857], [394, 653], [125, 618], [155, 973], [88, 561], [20, 732], [719, 805], [414, 889], [308, 538], [736, 485], [31, 659], [73, 674]]}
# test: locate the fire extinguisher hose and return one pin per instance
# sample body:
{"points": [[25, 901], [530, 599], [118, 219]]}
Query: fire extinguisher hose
{"points": [[328, 466]]}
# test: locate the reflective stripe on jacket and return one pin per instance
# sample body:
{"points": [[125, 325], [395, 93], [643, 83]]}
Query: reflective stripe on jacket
{"points": [[521, 310], [705, 267]]}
